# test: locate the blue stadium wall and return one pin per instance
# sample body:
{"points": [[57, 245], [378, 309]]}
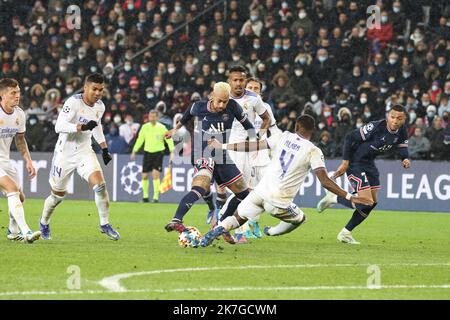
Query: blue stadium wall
{"points": [[423, 187]]}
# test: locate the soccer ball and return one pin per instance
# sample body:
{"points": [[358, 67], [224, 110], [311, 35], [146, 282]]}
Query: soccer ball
{"points": [[190, 237]]}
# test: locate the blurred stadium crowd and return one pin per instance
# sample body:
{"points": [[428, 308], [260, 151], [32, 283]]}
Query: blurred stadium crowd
{"points": [[314, 56]]}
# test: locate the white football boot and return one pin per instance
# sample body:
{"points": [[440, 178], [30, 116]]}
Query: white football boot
{"points": [[31, 236], [326, 202], [345, 236]]}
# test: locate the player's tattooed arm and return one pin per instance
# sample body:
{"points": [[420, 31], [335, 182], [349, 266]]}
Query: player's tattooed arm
{"points": [[246, 146], [22, 147]]}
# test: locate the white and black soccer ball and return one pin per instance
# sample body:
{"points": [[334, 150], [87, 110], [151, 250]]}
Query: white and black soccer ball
{"points": [[130, 178]]}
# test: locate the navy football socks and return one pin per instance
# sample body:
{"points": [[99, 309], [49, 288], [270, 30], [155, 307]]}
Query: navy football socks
{"points": [[188, 201]]}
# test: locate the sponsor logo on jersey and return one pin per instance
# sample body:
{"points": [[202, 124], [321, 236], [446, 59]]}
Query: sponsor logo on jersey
{"points": [[225, 117]]}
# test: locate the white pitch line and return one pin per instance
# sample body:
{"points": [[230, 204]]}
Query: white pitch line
{"points": [[112, 283], [229, 289]]}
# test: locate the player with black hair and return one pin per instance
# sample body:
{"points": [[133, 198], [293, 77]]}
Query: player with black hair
{"points": [[294, 156], [79, 121], [361, 147]]}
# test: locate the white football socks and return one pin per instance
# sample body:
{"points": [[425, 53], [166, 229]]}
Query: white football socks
{"points": [[13, 227], [282, 228], [102, 202], [17, 212], [229, 223], [49, 206]]}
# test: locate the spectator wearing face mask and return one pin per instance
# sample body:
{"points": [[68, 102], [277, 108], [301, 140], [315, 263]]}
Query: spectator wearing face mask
{"points": [[129, 129], [435, 92], [435, 134], [344, 126], [34, 135], [116, 143], [431, 114], [418, 145], [380, 37], [301, 83], [327, 145]]}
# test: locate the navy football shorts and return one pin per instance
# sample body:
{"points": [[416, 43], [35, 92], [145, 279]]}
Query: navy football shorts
{"points": [[363, 177]]}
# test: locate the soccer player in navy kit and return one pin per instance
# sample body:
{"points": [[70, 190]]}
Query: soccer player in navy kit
{"points": [[361, 147], [216, 116]]}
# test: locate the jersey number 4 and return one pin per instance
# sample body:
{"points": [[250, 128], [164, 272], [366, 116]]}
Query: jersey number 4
{"points": [[285, 165]]}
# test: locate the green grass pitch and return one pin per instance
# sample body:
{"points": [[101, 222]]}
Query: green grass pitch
{"points": [[410, 250]]}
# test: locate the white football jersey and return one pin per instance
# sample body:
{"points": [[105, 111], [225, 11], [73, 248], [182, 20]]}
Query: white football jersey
{"points": [[293, 157], [262, 157], [252, 105], [10, 125], [75, 112]]}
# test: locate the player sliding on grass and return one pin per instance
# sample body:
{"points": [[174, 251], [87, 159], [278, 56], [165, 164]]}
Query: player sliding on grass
{"points": [[293, 156], [215, 117], [12, 125], [360, 150], [79, 121]]}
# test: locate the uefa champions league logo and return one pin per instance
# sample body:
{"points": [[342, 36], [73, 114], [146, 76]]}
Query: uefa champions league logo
{"points": [[130, 178]]}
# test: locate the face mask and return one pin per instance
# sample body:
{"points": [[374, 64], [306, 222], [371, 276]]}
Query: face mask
{"points": [[130, 6], [236, 58], [430, 114], [412, 116], [363, 100], [127, 67], [406, 74], [62, 69], [384, 19], [302, 60], [69, 90], [256, 46], [391, 80], [214, 58], [434, 88], [327, 114], [286, 47], [425, 103], [111, 48], [144, 69], [121, 24], [158, 84], [275, 59], [68, 45], [298, 73], [392, 61], [95, 23], [271, 34], [177, 9], [415, 92], [359, 125], [417, 34], [277, 46], [117, 119], [302, 15], [201, 48], [367, 114], [441, 64], [321, 126], [93, 69], [384, 90], [33, 122], [221, 70], [253, 18], [59, 84], [163, 9], [215, 47], [129, 121], [150, 95], [314, 98], [171, 70], [322, 58], [356, 75], [343, 102], [97, 31], [396, 9]]}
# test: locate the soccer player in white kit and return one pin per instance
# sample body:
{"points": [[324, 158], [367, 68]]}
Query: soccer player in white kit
{"points": [[259, 161], [12, 125], [79, 121], [293, 156]]}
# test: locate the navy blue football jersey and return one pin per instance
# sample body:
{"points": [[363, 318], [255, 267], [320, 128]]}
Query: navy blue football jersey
{"points": [[366, 143], [211, 124]]}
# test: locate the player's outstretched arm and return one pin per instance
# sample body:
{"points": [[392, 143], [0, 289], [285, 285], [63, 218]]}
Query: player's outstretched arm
{"points": [[246, 146], [330, 185], [22, 146]]}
